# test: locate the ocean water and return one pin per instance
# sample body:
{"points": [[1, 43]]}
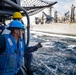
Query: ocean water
{"points": [[56, 57]]}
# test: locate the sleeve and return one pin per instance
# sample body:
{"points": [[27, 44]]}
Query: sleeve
{"points": [[30, 49], [2, 44]]}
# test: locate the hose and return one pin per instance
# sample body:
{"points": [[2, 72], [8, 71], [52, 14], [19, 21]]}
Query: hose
{"points": [[28, 20]]}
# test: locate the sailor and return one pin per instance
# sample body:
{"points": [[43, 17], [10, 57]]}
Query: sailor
{"points": [[28, 53], [12, 49], [16, 16], [2, 27]]}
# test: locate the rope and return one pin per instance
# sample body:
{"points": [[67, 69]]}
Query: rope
{"points": [[32, 3], [35, 6]]}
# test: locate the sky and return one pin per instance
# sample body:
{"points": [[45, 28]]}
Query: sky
{"points": [[63, 6]]}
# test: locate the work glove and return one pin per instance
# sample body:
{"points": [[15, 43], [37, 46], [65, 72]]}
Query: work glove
{"points": [[39, 45]]}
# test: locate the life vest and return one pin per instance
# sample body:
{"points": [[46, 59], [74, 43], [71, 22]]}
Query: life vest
{"points": [[12, 58]]}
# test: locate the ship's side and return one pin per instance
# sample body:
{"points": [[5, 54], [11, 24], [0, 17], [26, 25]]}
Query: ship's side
{"points": [[56, 28]]}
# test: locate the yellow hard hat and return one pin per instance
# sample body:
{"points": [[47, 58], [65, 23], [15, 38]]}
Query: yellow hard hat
{"points": [[17, 15]]}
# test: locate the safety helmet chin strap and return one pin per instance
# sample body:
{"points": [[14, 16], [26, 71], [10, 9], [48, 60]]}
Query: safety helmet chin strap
{"points": [[19, 34], [24, 38]]}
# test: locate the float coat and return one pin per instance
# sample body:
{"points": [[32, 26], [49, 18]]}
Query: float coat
{"points": [[12, 57]]}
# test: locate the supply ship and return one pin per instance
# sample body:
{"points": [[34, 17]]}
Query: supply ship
{"points": [[64, 25]]}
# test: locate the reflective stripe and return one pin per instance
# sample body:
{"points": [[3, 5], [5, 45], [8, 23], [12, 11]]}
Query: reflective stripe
{"points": [[10, 42], [21, 44]]}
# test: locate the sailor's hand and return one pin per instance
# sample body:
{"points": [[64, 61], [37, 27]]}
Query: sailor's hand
{"points": [[39, 45]]}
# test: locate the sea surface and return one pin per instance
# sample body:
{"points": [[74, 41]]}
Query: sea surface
{"points": [[56, 57]]}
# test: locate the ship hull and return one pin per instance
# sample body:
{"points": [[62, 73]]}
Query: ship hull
{"points": [[56, 28]]}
